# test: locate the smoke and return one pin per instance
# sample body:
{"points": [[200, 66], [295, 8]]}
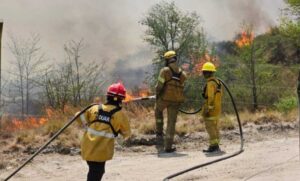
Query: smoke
{"points": [[132, 69], [251, 12], [222, 19], [111, 29]]}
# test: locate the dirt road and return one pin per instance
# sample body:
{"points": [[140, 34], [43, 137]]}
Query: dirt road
{"points": [[265, 160]]}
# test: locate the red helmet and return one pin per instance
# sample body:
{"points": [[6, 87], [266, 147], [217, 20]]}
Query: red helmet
{"points": [[117, 89]]}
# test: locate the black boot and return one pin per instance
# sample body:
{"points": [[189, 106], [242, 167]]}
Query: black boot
{"points": [[170, 150], [159, 139], [212, 148]]}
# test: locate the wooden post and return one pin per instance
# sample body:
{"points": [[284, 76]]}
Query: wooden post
{"points": [[298, 93], [1, 28]]}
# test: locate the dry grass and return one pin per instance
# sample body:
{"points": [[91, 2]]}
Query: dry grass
{"points": [[5, 122], [141, 119], [227, 122], [189, 124], [25, 137], [3, 164], [142, 122], [268, 117], [15, 147], [35, 137]]}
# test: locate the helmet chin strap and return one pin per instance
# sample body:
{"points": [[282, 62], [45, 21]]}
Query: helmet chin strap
{"points": [[171, 60], [207, 74], [113, 100]]}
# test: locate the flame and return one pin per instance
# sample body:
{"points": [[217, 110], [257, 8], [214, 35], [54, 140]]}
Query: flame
{"points": [[245, 39], [141, 93], [198, 63], [144, 93], [28, 123], [49, 112], [128, 97]]}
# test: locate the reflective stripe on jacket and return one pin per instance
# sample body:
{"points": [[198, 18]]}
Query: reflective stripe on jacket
{"points": [[97, 143]]}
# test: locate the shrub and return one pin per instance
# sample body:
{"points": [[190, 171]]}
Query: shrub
{"points": [[227, 123], [286, 104]]}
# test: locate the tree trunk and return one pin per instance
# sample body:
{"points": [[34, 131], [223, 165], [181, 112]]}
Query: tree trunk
{"points": [[252, 62], [27, 95], [1, 27], [22, 96], [78, 79]]}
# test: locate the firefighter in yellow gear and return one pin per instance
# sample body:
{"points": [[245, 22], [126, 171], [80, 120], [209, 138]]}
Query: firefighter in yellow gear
{"points": [[103, 123], [169, 95], [211, 109]]}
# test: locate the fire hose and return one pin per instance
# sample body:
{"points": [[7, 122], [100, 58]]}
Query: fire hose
{"points": [[223, 158], [198, 110], [48, 142], [137, 99]]}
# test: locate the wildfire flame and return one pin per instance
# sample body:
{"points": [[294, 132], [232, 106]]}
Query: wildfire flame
{"points": [[49, 112], [198, 63], [28, 123], [141, 93], [128, 98], [245, 39]]}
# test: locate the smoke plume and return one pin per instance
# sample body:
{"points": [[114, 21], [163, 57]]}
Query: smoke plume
{"points": [[111, 29]]}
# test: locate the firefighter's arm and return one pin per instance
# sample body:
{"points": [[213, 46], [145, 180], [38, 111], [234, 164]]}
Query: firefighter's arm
{"points": [[160, 83], [125, 127], [184, 76], [83, 118], [211, 89]]}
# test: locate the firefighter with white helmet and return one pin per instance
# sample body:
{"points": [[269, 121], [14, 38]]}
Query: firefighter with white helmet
{"points": [[169, 95], [211, 110], [103, 123]]}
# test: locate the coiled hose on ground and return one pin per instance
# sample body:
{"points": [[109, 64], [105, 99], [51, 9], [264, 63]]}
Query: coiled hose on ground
{"points": [[220, 159], [48, 142]]}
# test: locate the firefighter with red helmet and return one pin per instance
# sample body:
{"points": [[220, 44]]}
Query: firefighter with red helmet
{"points": [[103, 123]]}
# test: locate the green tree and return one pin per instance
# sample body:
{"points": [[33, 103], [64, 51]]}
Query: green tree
{"points": [[290, 22], [168, 28]]}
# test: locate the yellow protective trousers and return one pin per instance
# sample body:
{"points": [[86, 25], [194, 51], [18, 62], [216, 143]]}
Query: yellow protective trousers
{"points": [[212, 128], [172, 111]]}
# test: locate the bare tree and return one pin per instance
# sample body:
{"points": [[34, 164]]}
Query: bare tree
{"points": [[27, 64], [73, 82], [57, 86], [73, 50], [93, 79]]}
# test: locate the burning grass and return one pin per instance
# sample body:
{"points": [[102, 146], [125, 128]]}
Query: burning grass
{"points": [[142, 122], [32, 133]]}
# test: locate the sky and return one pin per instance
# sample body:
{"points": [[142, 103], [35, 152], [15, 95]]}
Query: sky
{"points": [[111, 29]]}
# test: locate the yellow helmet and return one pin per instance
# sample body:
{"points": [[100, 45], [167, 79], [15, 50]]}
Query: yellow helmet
{"points": [[208, 66], [169, 54]]}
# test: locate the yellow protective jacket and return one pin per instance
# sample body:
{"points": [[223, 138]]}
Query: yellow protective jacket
{"points": [[98, 140], [169, 89], [213, 94]]}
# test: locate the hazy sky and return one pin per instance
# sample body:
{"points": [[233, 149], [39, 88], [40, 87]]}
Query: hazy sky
{"points": [[111, 28]]}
